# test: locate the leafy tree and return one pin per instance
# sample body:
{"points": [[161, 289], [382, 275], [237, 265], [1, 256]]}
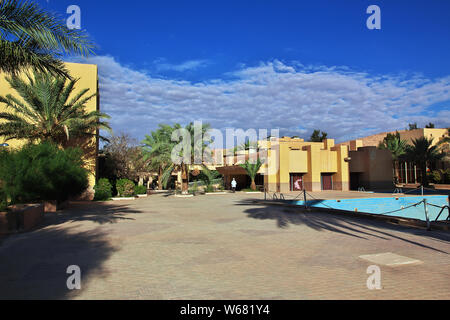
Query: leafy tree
{"points": [[430, 126], [397, 147], [423, 154], [44, 111], [157, 148], [318, 136], [122, 159], [413, 126], [252, 169], [33, 38]]}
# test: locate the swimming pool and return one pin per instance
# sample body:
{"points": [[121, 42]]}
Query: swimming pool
{"points": [[384, 205]]}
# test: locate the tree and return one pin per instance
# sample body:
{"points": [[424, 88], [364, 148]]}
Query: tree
{"points": [[246, 146], [318, 136], [45, 111], [423, 154], [33, 38], [252, 169], [123, 159], [208, 177], [397, 147], [183, 166], [412, 126], [430, 125], [157, 149]]}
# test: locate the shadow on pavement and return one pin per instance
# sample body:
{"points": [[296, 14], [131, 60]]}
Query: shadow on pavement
{"points": [[358, 227], [98, 212], [33, 265]]}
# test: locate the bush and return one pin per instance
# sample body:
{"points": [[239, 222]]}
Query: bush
{"points": [[210, 189], [103, 190], [435, 176], [125, 187], [140, 190], [42, 172], [440, 176]]}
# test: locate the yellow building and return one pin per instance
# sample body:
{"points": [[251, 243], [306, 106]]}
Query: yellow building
{"points": [[88, 78], [292, 164], [373, 168]]}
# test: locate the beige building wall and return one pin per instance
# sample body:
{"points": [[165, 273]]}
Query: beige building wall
{"points": [[311, 159], [436, 134]]}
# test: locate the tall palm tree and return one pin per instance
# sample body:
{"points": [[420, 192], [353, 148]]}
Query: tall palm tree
{"points": [[397, 147], [157, 149], [33, 38], [183, 167], [423, 153], [252, 169], [45, 111]]}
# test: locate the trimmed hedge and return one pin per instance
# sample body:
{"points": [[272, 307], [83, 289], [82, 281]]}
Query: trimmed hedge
{"points": [[140, 190], [125, 188], [103, 190]]}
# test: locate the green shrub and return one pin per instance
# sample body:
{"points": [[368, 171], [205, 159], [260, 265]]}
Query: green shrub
{"points": [[445, 176], [140, 190], [435, 176], [440, 176], [103, 190], [42, 172], [125, 187], [210, 188]]}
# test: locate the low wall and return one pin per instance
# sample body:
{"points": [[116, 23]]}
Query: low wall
{"points": [[21, 218]]}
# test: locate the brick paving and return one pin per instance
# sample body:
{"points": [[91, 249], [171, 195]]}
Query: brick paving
{"points": [[218, 247]]}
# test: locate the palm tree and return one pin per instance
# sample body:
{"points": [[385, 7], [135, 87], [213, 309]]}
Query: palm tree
{"points": [[252, 169], [33, 38], [183, 167], [208, 177], [157, 148], [246, 146], [45, 111], [318, 136], [423, 153], [397, 147]]}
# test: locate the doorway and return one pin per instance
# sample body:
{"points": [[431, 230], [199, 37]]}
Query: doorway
{"points": [[296, 181], [327, 181]]}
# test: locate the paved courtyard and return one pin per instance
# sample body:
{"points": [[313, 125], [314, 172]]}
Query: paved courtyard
{"points": [[218, 247]]}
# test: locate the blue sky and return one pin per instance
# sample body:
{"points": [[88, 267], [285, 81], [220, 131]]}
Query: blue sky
{"points": [[292, 65]]}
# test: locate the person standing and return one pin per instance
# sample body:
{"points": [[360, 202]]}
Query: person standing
{"points": [[233, 185]]}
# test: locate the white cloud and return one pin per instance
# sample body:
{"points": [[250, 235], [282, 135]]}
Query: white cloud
{"points": [[293, 98], [163, 65]]}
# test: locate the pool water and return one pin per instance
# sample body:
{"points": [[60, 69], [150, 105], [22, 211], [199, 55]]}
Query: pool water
{"points": [[386, 205]]}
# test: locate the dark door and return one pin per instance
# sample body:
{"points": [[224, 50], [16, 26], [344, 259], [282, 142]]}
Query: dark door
{"points": [[354, 180], [296, 182], [327, 181]]}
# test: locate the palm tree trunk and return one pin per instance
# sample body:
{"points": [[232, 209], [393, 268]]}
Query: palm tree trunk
{"points": [[253, 185], [424, 175], [396, 175], [184, 179], [160, 178]]}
